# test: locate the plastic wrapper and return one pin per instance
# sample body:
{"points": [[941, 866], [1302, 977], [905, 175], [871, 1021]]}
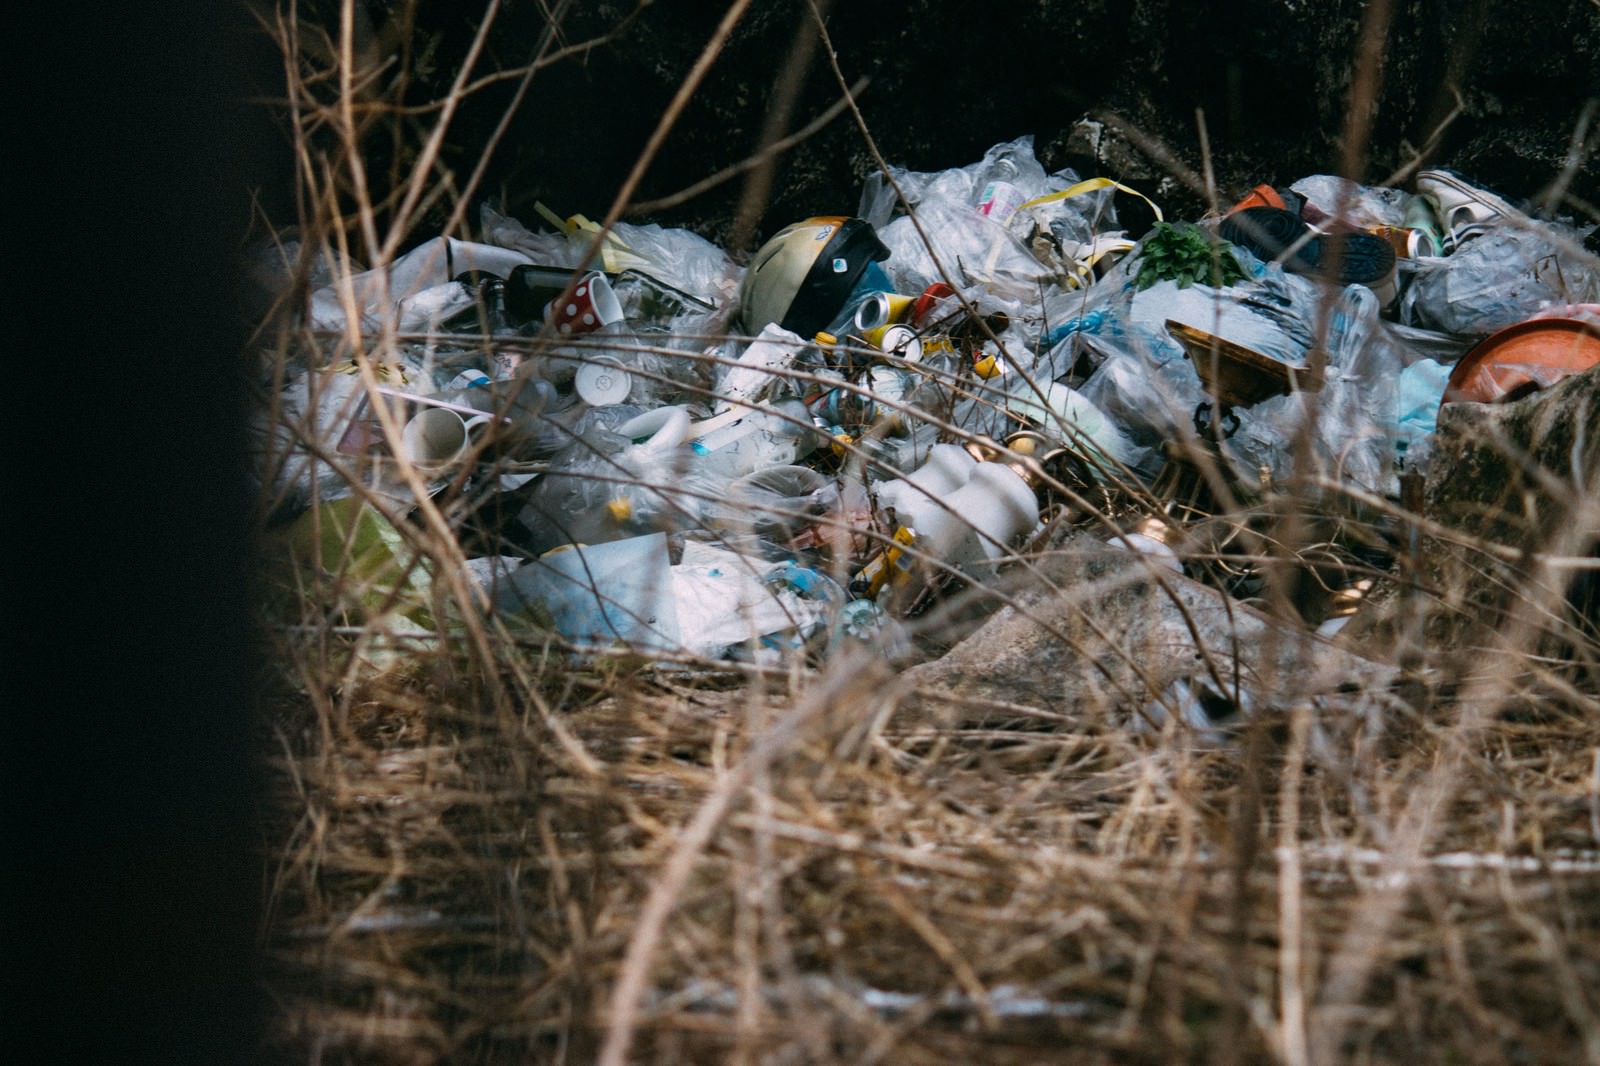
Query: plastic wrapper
{"points": [[735, 604], [599, 594], [1364, 206], [1503, 277]]}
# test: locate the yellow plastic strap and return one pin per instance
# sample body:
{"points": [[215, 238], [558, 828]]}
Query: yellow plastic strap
{"points": [[550, 217], [1091, 185]]}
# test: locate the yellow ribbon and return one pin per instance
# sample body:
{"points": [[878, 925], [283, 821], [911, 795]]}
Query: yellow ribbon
{"points": [[1091, 185]]}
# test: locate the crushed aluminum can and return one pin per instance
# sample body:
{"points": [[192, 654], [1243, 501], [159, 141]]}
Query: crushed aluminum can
{"points": [[1408, 243]]}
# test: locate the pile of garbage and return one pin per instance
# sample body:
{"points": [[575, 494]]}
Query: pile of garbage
{"points": [[640, 442]]}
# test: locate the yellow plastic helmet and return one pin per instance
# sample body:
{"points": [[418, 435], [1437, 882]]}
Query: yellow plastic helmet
{"points": [[802, 276]]}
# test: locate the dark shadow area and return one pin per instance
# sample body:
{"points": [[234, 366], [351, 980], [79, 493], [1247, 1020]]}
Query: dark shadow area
{"points": [[132, 891], [949, 79]]}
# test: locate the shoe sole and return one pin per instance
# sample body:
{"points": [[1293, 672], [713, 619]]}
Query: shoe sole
{"points": [[1364, 258]]}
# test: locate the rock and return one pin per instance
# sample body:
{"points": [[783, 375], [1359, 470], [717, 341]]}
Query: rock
{"points": [[1515, 479], [1106, 628], [1524, 476]]}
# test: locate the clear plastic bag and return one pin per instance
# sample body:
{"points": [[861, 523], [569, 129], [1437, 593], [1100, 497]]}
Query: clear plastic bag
{"points": [[679, 258], [1011, 161], [1508, 274], [778, 505], [1354, 438], [1146, 385], [429, 266], [968, 248], [967, 213], [606, 485], [1365, 206]]}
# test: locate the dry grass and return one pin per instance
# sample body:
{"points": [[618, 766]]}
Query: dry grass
{"points": [[480, 850]]}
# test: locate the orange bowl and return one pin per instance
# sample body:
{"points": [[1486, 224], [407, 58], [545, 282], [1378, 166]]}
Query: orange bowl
{"points": [[1524, 358]]}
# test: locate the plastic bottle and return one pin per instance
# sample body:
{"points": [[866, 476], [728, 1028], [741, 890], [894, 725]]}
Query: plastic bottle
{"points": [[947, 469], [1067, 415], [996, 195]]}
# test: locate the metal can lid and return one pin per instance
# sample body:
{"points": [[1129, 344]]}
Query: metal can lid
{"points": [[902, 341]]}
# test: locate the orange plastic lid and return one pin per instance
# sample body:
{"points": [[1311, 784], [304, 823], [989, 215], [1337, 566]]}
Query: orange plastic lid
{"points": [[1523, 358]]}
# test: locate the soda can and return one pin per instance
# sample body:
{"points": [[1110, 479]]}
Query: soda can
{"points": [[897, 340], [1409, 243], [882, 308]]}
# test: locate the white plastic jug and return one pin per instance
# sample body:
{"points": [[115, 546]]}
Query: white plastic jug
{"points": [[980, 520], [947, 468]]}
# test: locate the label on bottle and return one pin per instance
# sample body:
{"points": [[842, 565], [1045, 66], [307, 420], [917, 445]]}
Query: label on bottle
{"points": [[999, 201]]}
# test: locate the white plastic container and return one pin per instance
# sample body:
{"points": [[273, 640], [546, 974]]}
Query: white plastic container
{"points": [[981, 520], [947, 468]]}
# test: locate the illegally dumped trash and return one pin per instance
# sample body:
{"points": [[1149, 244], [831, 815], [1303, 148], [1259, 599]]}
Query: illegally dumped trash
{"points": [[644, 444]]}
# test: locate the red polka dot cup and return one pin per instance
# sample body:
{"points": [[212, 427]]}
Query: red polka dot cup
{"points": [[591, 305]]}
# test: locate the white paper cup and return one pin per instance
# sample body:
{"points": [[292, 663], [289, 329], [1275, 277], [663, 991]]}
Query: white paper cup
{"points": [[434, 439], [602, 381]]}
